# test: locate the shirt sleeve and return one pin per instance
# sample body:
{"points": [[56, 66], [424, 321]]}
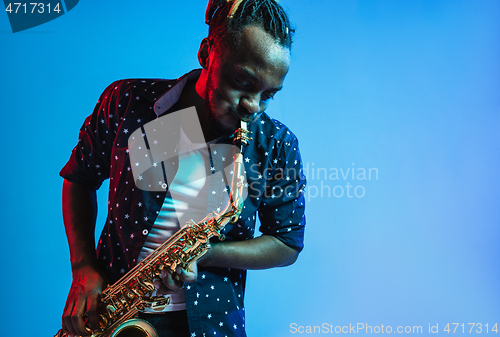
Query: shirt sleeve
{"points": [[89, 163], [283, 204]]}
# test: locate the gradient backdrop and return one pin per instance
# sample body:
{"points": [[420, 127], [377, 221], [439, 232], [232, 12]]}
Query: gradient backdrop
{"points": [[408, 91]]}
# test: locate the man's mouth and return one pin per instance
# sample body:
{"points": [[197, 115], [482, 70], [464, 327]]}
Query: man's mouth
{"points": [[247, 117]]}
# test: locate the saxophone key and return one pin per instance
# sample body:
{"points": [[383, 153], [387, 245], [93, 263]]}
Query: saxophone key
{"points": [[160, 303]]}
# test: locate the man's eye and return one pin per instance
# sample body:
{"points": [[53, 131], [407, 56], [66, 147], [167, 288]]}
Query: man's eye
{"points": [[242, 83], [267, 96]]}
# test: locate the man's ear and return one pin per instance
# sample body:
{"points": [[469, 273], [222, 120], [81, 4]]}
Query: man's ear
{"points": [[204, 52]]}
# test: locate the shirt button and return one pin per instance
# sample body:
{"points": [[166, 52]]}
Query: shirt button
{"points": [[145, 232]]}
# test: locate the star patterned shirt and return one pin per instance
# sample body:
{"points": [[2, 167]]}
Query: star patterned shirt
{"points": [[275, 184]]}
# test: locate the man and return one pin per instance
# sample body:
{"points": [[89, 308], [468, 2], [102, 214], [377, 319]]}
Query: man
{"points": [[244, 62]]}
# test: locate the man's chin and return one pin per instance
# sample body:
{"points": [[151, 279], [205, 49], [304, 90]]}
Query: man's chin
{"points": [[224, 127], [229, 128]]}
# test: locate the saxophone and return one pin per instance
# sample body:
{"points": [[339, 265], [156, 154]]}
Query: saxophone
{"points": [[122, 301]]}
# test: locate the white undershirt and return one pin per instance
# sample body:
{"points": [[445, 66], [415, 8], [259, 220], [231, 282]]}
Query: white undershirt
{"points": [[187, 199]]}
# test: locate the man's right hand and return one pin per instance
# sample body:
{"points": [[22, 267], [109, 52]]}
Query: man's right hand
{"points": [[83, 298]]}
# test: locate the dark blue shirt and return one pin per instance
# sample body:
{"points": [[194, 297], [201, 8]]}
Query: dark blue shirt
{"points": [[275, 194]]}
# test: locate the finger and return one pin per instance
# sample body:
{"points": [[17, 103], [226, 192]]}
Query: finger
{"points": [[161, 289], [188, 275], [77, 319], [93, 314], [170, 282], [67, 325]]}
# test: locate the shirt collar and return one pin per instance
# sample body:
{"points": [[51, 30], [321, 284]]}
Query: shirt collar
{"points": [[168, 99]]}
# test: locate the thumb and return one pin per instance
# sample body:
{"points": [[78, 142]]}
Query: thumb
{"points": [[190, 274]]}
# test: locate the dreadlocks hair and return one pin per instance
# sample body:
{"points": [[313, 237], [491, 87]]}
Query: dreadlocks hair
{"points": [[227, 18]]}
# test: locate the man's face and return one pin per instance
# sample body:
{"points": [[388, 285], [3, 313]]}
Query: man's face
{"points": [[242, 80]]}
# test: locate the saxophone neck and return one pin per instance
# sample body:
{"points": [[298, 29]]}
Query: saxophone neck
{"points": [[235, 202]]}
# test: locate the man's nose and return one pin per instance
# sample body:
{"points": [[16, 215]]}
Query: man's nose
{"points": [[251, 104]]}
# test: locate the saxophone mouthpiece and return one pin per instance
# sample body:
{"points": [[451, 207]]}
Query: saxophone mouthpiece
{"points": [[241, 135]]}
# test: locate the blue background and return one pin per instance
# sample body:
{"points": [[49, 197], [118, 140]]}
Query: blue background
{"points": [[407, 88]]}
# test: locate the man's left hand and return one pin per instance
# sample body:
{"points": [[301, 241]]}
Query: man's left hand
{"points": [[172, 283]]}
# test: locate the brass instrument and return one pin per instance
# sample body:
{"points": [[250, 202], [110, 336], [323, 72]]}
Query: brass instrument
{"points": [[122, 301]]}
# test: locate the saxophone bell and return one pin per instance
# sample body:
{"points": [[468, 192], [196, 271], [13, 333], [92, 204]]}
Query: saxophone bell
{"points": [[135, 327]]}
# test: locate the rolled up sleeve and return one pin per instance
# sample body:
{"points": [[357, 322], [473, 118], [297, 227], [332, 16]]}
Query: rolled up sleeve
{"points": [[283, 204], [89, 163]]}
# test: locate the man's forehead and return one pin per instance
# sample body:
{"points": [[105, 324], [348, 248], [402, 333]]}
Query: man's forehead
{"points": [[255, 40], [257, 49]]}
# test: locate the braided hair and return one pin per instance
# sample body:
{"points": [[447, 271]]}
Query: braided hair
{"points": [[227, 18]]}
